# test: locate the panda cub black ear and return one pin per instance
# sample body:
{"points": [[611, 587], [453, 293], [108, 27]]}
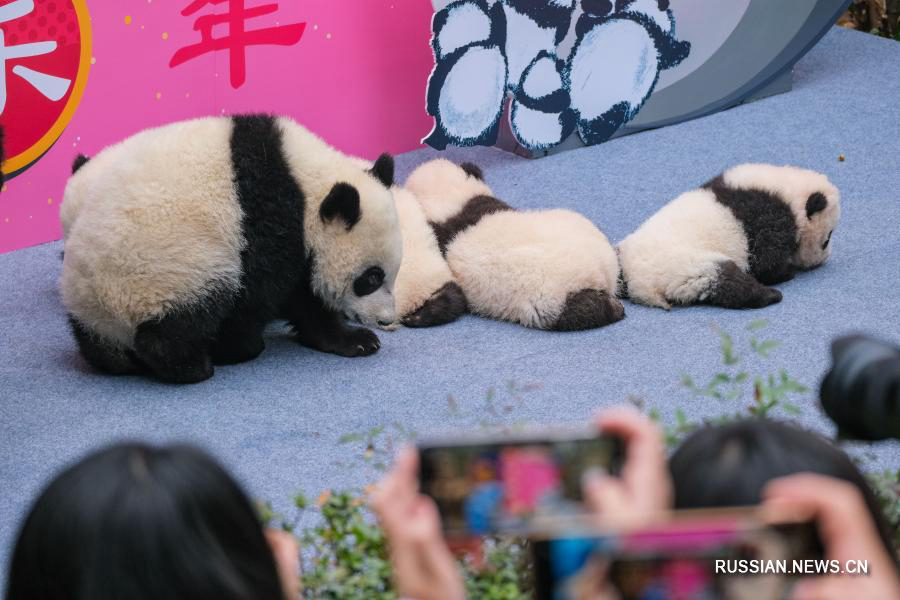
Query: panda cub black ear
{"points": [[472, 170], [383, 170], [341, 202], [815, 203]]}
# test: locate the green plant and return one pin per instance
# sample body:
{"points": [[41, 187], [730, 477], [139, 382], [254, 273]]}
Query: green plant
{"points": [[768, 392], [886, 485], [345, 553]]}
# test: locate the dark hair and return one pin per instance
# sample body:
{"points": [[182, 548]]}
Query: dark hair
{"points": [[143, 522], [729, 465]]}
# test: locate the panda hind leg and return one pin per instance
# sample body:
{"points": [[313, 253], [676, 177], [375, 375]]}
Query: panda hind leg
{"points": [[175, 346], [444, 306], [102, 354], [239, 339], [588, 309], [734, 288]]}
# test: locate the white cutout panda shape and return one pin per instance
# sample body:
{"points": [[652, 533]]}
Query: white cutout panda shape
{"points": [[483, 52]]}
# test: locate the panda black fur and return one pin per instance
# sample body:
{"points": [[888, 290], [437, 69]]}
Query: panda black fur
{"points": [[550, 269], [183, 242], [753, 226]]}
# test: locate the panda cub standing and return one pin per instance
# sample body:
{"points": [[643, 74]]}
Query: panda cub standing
{"points": [[183, 242], [751, 227], [547, 269]]}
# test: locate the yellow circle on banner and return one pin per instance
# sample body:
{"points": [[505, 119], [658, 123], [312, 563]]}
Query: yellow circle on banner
{"points": [[20, 161]]}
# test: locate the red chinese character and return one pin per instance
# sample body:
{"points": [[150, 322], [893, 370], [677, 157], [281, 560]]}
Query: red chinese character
{"points": [[238, 38]]}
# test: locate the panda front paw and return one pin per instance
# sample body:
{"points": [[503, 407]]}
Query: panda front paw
{"points": [[355, 341]]}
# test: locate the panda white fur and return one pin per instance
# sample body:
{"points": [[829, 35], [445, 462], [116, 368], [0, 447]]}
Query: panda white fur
{"points": [[751, 227], [550, 269], [183, 242], [426, 292]]}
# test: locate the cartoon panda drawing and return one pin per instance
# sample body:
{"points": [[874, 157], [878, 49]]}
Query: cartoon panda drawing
{"points": [[752, 227], [553, 76], [184, 241], [547, 269], [620, 49]]}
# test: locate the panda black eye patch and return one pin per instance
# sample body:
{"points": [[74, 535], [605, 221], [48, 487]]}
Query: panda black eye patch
{"points": [[368, 282]]}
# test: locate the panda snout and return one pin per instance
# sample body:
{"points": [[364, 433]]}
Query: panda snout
{"points": [[388, 325]]}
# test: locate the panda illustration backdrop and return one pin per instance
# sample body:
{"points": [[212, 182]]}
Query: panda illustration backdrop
{"points": [[539, 75]]}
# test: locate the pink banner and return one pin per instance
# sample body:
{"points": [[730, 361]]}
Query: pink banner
{"points": [[81, 75]]}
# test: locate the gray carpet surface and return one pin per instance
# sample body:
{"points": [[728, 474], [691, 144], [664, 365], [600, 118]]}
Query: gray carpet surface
{"points": [[276, 421]]}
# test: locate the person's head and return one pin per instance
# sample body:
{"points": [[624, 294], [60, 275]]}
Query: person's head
{"points": [[143, 522], [729, 465]]}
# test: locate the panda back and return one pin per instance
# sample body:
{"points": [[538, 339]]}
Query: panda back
{"points": [[522, 266], [153, 223]]}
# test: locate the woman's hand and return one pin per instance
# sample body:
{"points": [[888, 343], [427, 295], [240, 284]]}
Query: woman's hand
{"points": [[643, 491], [287, 561], [424, 568], [847, 532]]}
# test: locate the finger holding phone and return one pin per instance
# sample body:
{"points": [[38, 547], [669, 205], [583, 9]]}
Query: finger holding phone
{"points": [[643, 491], [424, 568], [847, 533]]}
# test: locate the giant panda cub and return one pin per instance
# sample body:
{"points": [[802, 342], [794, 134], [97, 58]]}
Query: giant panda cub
{"points": [[548, 269], [183, 242], [751, 227], [426, 292]]}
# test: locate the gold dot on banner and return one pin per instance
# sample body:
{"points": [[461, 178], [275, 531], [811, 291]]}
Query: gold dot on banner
{"points": [[128, 19], [165, 36], [4, 188], [49, 200], [93, 60], [158, 95]]}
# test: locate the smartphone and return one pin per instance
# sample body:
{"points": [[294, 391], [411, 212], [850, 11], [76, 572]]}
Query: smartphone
{"points": [[693, 555], [485, 485]]}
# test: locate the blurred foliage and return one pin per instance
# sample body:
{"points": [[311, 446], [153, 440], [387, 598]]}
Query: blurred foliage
{"points": [[345, 555], [880, 17], [745, 394]]}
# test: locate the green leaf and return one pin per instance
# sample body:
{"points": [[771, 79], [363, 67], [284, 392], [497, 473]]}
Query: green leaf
{"points": [[763, 348], [791, 408], [757, 325], [350, 437], [727, 346]]}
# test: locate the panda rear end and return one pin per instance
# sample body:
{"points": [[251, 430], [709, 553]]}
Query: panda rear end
{"points": [[183, 242]]}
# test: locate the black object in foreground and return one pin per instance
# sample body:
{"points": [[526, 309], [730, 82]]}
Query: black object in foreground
{"points": [[861, 392]]}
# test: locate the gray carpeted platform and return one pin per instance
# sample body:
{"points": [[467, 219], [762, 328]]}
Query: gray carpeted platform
{"points": [[276, 421]]}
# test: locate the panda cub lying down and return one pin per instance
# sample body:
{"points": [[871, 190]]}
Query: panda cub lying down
{"points": [[426, 293], [183, 242], [547, 269], [751, 227]]}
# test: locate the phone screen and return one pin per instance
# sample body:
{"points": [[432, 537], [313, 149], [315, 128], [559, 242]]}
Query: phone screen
{"points": [[695, 561], [509, 486]]}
